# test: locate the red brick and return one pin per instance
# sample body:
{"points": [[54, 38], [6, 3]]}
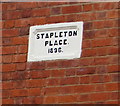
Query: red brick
{"points": [[87, 70], [109, 5], [67, 99], [51, 4], [34, 74], [7, 85], [69, 63], [18, 101], [53, 82], [19, 84], [114, 95], [67, 89], [88, 26], [83, 98], [97, 78], [107, 78], [101, 51], [6, 76], [104, 24], [9, 50], [85, 80], [84, 88], [7, 101], [69, 81], [36, 65], [24, 31], [22, 49], [43, 4], [111, 86], [38, 21], [40, 74], [112, 14], [55, 10], [6, 41], [19, 40], [70, 72], [113, 59], [113, 68], [2, 24], [88, 34], [50, 100], [57, 73], [115, 102], [9, 24], [34, 92], [101, 33], [8, 6], [6, 58], [102, 61], [101, 15], [86, 44], [71, 9], [56, 19], [26, 5], [20, 66], [87, 7], [5, 94], [19, 92], [22, 22], [99, 96], [19, 58], [11, 15], [26, 13], [51, 91], [7, 32], [31, 21], [52, 64], [113, 50], [28, 100], [20, 75], [100, 87], [35, 83], [8, 67], [112, 32], [85, 17], [70, 18], [86, 61], [101, 69], [115, 77], [97, 6], [40, 12], [38, 100], [88, 52], [105, 6]]}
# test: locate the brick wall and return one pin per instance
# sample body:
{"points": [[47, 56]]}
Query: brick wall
{"points": [[91, 79]]}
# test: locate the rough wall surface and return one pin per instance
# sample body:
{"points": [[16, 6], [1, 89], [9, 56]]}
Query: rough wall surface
{"points": [[91, 79]]}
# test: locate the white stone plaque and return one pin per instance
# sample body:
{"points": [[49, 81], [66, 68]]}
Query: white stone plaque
{"points": [[55, 41]]}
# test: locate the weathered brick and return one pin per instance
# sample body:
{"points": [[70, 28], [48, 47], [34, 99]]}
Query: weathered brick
{"points": [[9, 50], [7, 32], [34, 92], [40, 12], [7, 101], [99, 96], [8, 67], [19, 92], [19, 58], [50, 100], [71, 9], [69, 81]]}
